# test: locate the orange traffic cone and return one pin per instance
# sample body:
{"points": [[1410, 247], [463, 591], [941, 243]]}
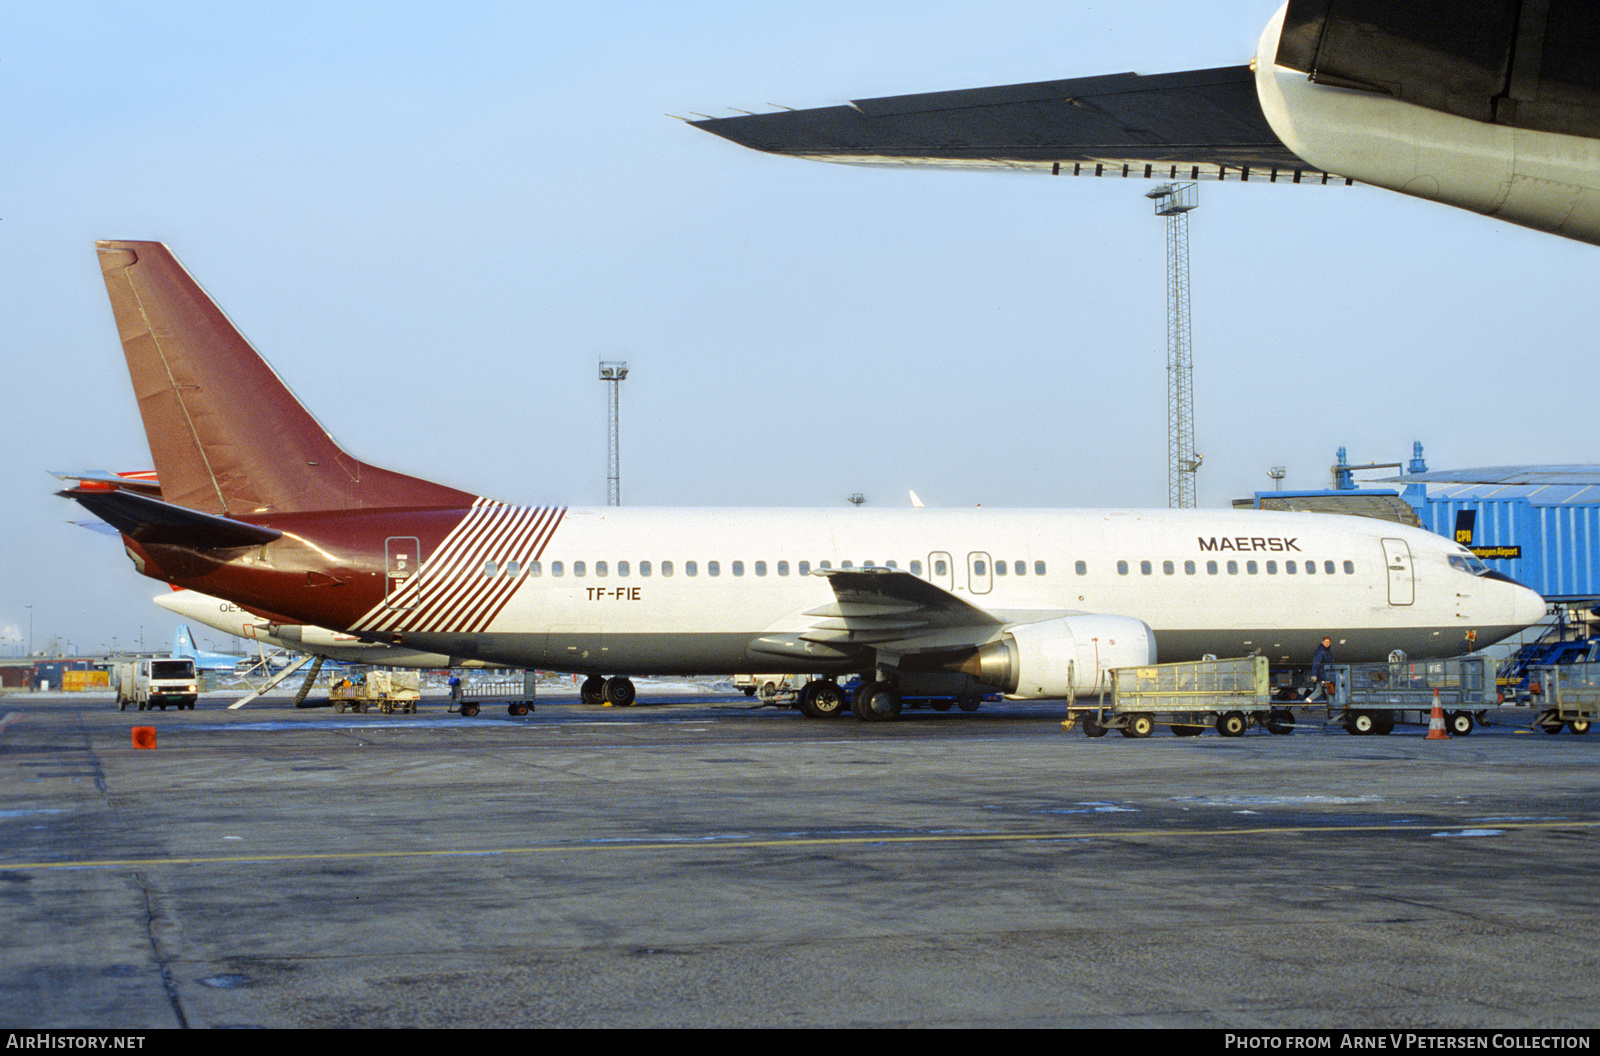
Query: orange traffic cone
{"points": [[1436, 730], [144, 736]]}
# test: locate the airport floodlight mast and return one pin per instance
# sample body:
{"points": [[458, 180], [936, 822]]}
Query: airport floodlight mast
{"points": [[1174, 201], [614, 374]]}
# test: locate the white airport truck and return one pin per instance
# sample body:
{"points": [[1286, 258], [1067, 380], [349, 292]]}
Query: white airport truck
{"points": [[156, 682]]}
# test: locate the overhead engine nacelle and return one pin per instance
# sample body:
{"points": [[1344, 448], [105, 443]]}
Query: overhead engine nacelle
{"points": [[1062, 658]]}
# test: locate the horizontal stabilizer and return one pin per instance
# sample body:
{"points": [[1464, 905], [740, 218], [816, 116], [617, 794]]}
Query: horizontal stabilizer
{"points": [[150, 520], [1199, 124]]}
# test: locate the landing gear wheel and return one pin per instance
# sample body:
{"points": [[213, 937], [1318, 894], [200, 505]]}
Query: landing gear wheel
{"points": [[619, 691], [1091, 725], [827, 700], [1280, 721], [1458, 723], [875, 702], [1139, 726], [1232, 724], [593, 690], [1579, 726]]}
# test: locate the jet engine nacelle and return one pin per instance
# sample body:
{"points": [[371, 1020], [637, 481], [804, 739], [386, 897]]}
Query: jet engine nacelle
{"points": [[1539, 179], [314, 637], [1062, 658]]}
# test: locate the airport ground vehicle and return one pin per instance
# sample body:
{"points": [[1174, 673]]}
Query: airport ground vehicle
{"points": [[388, 691], [1374, 698], [517, 693], [1566, 696], [1229, 695], [770, 687], [1517, 681], [156, 682]]}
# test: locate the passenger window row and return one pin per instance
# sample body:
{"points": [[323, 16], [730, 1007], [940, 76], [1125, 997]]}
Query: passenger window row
{"points": [[737, 568], [1251, 568]]}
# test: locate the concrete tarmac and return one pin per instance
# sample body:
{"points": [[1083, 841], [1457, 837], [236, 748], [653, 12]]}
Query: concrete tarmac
{"points": [[702, 862]]}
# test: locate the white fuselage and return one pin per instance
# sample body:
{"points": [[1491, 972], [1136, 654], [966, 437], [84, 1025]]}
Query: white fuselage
{"points": [[635, 591]]}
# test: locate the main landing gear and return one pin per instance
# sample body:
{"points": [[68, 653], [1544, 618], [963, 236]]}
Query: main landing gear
{"points": [[617, 692], [872, 701]]}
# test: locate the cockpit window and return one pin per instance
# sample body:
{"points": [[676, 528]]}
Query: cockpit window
{"points": [[1469, 564]]}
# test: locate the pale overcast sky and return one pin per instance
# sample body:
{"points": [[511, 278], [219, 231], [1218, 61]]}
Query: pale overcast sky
{"points": [[433, 219]]}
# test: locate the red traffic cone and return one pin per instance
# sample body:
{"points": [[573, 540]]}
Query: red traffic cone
{"points": [[1436, 730], [144, 736]]}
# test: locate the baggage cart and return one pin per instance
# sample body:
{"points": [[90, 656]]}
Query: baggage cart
{"points": [[1374, 698], [518, 694], [1567, 696], [388, 691], [1227, 695]]}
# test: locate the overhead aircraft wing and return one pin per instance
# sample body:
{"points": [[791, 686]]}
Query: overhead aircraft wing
{"points": [[1201, 124], [153, 521]]}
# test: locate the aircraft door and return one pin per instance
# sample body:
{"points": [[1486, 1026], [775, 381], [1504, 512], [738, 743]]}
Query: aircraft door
{"points": [[402, 557], [1402, 586], [980, 572], [941, 570]]}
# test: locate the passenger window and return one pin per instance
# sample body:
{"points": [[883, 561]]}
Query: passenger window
{"points": [[783, 568], [1311, 568], [847, 564], [1251, 567], [579, 569], [940, 568], [1168, 568], [1038, 568], [691, 568], [738, 568], [713, 568], [489, 568], [535, 568], [868, 564], [916, 568], [1211, 568], [1288, 568], [1020, 568], [1082, 568], [666, 568], [1272, 568], [805, 568], [890, 564], [644, 568], [826, 564], [1349, 568], [1327, 566], [1233, 568], [600, 568], [1145, 568], [512, 568], [622, 568], [557, 568], [1122, 568], [979, 569], [999, 568], [761, 568]]}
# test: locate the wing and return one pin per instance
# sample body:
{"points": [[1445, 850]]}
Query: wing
{"points": [[1202, 124]]}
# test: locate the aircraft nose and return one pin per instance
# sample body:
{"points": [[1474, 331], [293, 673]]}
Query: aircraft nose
{"points": [[1527, 606]]}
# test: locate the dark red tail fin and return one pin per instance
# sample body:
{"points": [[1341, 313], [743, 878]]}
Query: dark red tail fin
{"points": [[227, 436]]}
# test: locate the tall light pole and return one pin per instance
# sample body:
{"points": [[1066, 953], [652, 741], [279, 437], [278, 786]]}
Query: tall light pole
{"points": [[614, 374], [1174, 201]]}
